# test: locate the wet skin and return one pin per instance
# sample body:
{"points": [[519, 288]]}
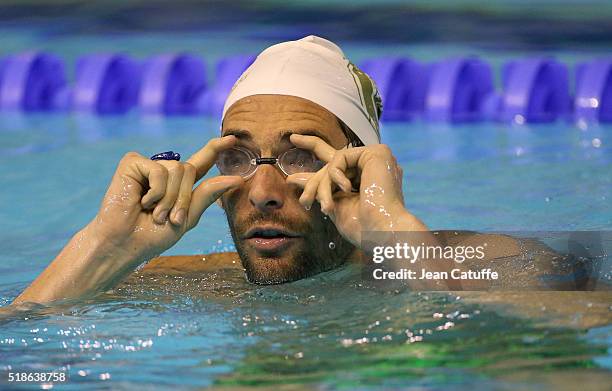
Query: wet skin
{"points": [[150, 205], [264, 124]]}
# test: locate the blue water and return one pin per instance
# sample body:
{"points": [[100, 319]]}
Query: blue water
{"points": [[329, 331]]}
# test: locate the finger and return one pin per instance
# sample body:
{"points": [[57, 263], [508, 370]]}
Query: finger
{"points": [[206, 193], [205, 158], [155, 175], [352, 162], [346, 158], [338, 177], [310, 190], [359, 156], [178, 214], [300, 179], [320, 148], [340, 170], [173, 184], [324, 195]]}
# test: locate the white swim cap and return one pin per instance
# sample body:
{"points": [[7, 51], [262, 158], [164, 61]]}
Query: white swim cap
{"points": [[315, 69]]}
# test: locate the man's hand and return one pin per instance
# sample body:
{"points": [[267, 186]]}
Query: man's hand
{"points": [[150, 204], [148, 207], [379, 203]]}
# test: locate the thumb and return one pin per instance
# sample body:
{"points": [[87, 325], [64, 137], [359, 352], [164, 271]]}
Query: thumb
{"points": [[206, 193]]}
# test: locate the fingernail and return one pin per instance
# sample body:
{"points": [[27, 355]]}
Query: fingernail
{"points": [[179, 216], [349, 186], [324, 207], [161, 216]]}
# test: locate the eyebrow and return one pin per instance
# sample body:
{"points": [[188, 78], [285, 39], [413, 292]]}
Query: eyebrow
{"points": [[238, 133], [307, 132], [247, 136]]}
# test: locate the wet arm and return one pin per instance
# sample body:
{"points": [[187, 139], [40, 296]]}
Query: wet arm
{"points": [[86, 266]]}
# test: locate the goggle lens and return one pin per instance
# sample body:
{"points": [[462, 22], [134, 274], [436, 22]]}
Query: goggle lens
{"points": [[297, 160], [235, 161]]}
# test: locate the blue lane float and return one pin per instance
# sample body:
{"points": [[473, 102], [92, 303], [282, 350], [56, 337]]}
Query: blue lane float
{"points": [[105, 84], [454, 90], [172, 84], [227, 71], [31, 81], [401, 82], [593, 100], [458, 89], [534, 90]]}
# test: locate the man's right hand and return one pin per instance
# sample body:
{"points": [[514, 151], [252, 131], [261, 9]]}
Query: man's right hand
{"points": [[150, 204], [148, 207]]}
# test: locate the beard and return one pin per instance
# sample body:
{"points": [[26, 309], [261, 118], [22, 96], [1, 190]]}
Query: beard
{"points": [[310, 256]]}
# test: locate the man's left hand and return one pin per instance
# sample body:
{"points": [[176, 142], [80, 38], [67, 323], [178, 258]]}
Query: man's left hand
{"points": [[379, 203]]}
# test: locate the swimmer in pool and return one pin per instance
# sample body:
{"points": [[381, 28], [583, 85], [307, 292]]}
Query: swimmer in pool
{"points": [[301, 102]]}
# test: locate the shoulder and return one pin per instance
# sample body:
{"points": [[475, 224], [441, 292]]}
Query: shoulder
{"points": [[178, 264]]}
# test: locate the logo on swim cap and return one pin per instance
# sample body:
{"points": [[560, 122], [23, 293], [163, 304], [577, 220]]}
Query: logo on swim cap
{"points": [[368, 94], [241, 78]]}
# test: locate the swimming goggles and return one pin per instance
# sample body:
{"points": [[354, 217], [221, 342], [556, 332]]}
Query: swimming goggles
{"points": [[244, 162]]}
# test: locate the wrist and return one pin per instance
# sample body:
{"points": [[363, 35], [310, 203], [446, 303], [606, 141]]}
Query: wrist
{"points": [[107, 252], [406, 221], [398, 218], [93, 263]]}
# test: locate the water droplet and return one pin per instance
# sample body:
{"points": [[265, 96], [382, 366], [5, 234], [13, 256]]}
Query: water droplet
{"points": [[519, 119], [582, 124], [596, 142], [332, 245]]}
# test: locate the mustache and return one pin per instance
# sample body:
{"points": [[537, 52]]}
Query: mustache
{"points": [[242, 225]]}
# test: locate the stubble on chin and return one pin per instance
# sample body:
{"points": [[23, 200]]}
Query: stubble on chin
{"points": [[293, 264], [308, 258]]}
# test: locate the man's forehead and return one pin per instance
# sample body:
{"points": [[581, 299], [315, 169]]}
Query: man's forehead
{"points": [[277, 104], [276, 115]]}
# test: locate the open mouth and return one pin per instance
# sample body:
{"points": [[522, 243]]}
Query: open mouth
{"points": [[270, 239], [269, 233]]}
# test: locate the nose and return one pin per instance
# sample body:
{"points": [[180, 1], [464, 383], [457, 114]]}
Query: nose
{"points": [[268, 189]]}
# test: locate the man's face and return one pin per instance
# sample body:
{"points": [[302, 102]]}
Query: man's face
{"points": [[276, 238]]}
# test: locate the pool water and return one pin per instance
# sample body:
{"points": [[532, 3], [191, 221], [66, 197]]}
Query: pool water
{"points": [[332, 331]]}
